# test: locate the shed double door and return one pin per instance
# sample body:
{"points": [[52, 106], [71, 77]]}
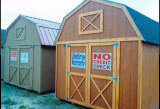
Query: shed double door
{"points": [[90, 71], [20, 66]]}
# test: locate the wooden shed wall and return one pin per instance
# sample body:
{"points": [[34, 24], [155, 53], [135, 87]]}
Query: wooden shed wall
{"points": [[48, 62], [128, 75], [61, 72], [150, 76], [6, 60], [36, 68], [116, 24]]}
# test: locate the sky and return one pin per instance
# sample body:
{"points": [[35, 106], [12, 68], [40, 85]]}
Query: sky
{"points": [[55, 10]]}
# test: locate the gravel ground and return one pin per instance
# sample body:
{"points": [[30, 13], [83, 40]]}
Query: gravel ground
{"points": [[15, 98]]}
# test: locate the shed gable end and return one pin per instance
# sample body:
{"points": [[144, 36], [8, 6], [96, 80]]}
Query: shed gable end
{"points": [[115, 24], [23, 32]]}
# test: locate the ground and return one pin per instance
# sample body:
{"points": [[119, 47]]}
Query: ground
{"points": [[16, 98]]}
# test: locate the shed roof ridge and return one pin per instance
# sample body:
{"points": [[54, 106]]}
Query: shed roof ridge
{"points": [[45, 26], [39, 19], [113, 2]]}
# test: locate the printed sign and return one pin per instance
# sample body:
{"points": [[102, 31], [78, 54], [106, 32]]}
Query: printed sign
{"points": [[102, 61], [13, 55], [78, 60], [24, 57]]}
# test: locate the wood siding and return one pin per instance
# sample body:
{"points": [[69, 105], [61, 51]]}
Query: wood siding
{"points": [[30, 34], [128, 75], [116, 24], [48, 68], [150, 76], [36, 68], [61, 72]]}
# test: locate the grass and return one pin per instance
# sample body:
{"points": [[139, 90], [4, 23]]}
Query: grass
{"points": [[15, 98], [23, 107], [8, 101]]}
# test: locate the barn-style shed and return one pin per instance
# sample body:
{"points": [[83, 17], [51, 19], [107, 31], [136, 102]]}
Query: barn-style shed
{"points": [[108, 57], [3, 32], [29, 54]]}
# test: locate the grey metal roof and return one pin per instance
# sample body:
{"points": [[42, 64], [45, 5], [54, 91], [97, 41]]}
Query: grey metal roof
{"points": [[42, 22]]}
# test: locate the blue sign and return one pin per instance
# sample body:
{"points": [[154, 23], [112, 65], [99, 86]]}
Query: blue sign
{"points": [[78, 60], [24, 57]]}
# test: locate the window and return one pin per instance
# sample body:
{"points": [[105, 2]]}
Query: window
{"points": [[91, 22], [20, 33]]}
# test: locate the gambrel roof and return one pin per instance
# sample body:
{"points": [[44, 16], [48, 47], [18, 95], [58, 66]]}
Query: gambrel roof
{"points": [[47, 30], [146, 28]]}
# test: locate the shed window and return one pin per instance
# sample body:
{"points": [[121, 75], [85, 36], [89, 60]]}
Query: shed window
{"points": [[20, 33], [91, 22]]}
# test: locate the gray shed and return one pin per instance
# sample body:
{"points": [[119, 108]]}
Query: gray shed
{"points": [[3, 32], [29, 54]]}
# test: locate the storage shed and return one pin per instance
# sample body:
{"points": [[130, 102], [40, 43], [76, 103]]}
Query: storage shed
{"points": [[108, 57], [29, 54], [3, 32]]}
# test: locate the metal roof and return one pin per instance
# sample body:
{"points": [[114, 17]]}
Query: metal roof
{"points": [[42, 22], [47, 30], [148, 28]]}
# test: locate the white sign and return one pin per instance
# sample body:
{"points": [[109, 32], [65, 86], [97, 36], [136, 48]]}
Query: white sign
{"points": [[102, 61], [13, 55], [24, 57]]}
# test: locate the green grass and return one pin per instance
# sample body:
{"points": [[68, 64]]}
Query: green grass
{"points": [[15, 98], [8, 101], [23, 107]]}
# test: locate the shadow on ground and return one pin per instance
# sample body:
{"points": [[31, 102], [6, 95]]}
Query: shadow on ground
{"points": [[15, 98]]}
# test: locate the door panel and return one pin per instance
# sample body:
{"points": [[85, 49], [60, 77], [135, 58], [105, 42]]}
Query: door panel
{"points": [[13, 62], [103, 69], [76, 77], [21, 66], [77, 49], [77, 86], [101, 92], [26, 66], [102, 49]]}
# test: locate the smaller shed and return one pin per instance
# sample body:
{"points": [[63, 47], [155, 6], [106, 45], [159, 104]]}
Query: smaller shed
{"points": [[3, 32], [29, 54]]}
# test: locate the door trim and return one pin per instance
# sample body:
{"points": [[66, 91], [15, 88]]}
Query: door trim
{"points": [[116, 70], [68, 63], [18, 67], [102, 77]]}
